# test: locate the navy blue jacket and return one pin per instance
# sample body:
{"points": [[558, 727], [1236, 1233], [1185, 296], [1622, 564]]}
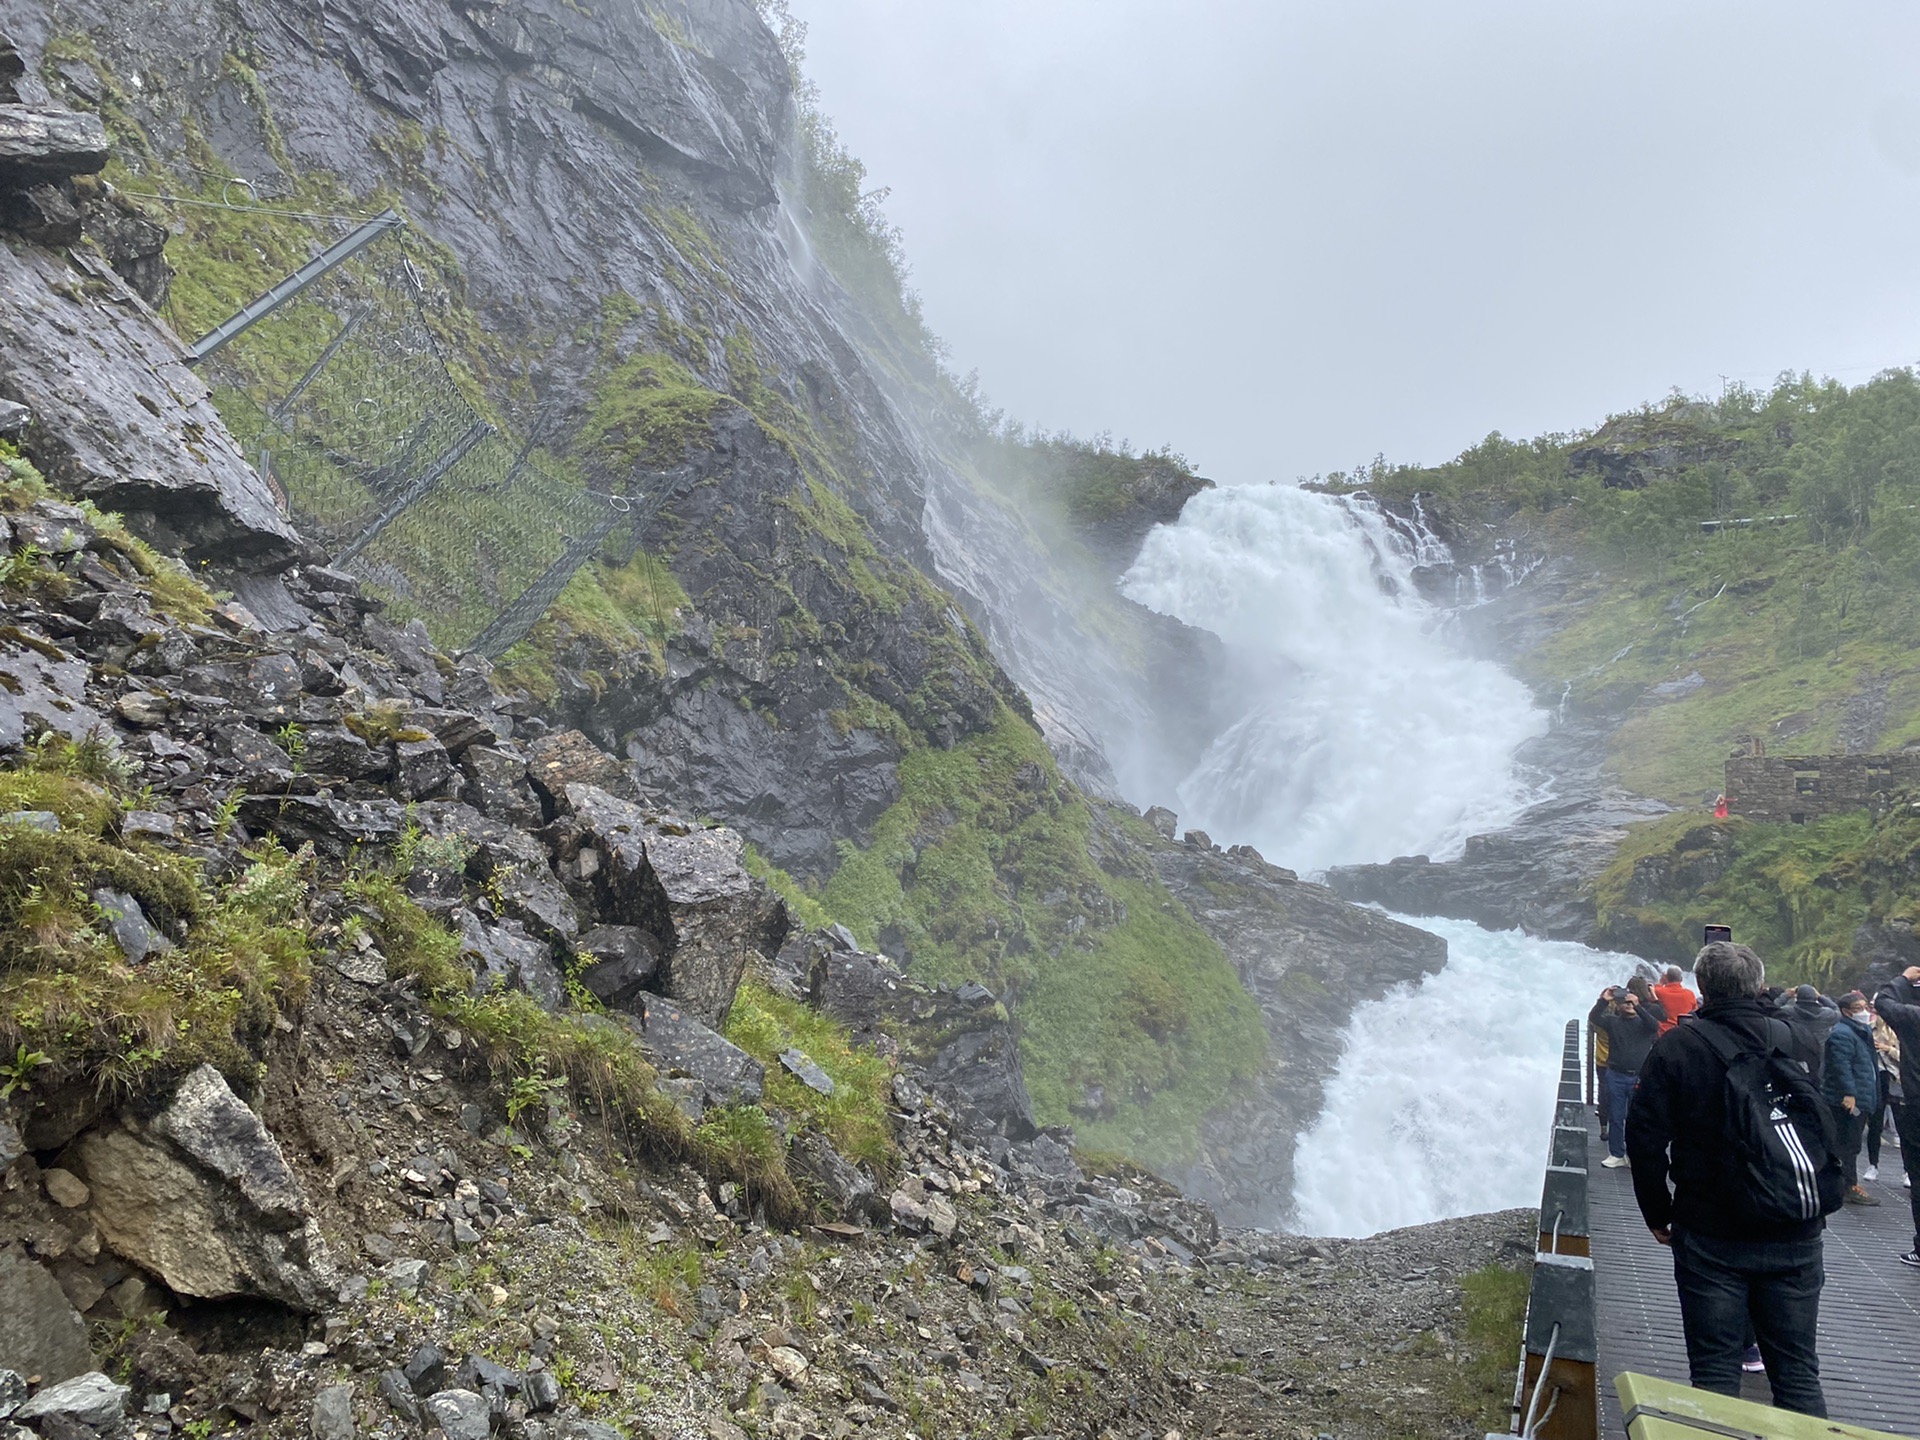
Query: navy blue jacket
{"points": [[1850, 1067]]}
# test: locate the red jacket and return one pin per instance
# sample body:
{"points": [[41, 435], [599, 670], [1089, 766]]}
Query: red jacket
{"points": [[1677, 1000]]}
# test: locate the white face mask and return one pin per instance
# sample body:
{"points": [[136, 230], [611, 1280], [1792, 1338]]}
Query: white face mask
{"points": [[1863, 1017]]}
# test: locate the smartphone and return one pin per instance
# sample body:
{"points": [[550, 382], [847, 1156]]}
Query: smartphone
{"points": [[1711, 933]]}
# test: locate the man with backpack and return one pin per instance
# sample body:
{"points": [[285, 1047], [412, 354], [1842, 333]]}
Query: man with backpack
{"points": [[1736, 1126], [1899, 1005]]}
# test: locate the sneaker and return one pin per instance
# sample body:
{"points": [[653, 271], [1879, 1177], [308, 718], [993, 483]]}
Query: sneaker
{"points": [[1615, 1162], [1872, 1172], [1857, 1196], [1912, 1257], [1751, 1361]]}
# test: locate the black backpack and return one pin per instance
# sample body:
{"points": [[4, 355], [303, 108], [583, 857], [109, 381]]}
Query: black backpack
{"points": [[1778, 1125]]}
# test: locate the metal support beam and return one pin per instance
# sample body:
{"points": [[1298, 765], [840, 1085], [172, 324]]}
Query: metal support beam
{"points": [[329, 259], [279, 411], [416, 489], [511, 625]]}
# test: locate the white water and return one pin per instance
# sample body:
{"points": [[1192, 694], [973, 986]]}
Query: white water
{"points": [[1445, 1093], [1363, 733]]}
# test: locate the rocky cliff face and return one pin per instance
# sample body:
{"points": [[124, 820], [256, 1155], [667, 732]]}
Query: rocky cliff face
{"points": [[866, 609], [380, 1060], [1308, 958]]}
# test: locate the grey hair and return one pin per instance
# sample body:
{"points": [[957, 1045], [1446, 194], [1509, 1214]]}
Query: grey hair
{"points": [[1727, 971], [1673, 975]]}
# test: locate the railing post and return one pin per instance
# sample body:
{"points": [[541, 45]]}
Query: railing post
{"points": [[1558, 1397]]}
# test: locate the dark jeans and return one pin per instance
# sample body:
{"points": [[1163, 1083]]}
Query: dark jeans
{"points": [[1877, 1121], [1728, 1287], [1906, 1119], [1619, 1089], [1848, 1128]]}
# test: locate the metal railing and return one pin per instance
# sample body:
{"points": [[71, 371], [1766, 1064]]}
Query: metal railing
{"points": [[1557, 1390]]}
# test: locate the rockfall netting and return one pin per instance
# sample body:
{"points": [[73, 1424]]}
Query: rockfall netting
{"points": [[347, 401]]}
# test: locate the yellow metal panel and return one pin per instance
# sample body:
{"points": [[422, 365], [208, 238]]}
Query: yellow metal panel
{"points": [[1664, 1410]]}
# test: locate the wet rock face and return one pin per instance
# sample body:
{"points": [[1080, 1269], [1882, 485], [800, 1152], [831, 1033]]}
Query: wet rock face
{"points": [[121, 420], [1308, 958]]}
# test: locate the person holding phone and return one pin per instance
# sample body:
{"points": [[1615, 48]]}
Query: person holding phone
{"points": [[1631, 1030]]}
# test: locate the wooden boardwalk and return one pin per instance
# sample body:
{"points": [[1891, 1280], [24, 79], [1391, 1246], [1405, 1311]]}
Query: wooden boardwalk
{"points": [[1869, 1312]]}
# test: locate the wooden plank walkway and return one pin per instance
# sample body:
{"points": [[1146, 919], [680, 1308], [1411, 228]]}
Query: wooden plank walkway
{"points": [[1869, 1312]]}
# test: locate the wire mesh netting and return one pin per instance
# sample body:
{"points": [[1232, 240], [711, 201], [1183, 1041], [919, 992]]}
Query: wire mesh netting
{"points": [[346, 401]]}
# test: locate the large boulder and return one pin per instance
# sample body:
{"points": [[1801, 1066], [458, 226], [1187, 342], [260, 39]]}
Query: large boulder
{"points": [[681, 1046], [39, 143], [977, 1065], [504, 956], [203, 1198], [688, 885], [40, 1332], [119, 418]]}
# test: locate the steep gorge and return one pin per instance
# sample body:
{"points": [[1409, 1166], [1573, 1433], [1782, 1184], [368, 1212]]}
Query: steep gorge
{"points": [[641, 240]]}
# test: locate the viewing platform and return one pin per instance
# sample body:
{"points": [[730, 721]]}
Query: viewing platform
{"points": [[1869, 1311], [1603, 1305]]}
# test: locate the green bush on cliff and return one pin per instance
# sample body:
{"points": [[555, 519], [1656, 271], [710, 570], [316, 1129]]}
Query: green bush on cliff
{"points": [[1796, 893], [854, 1117], [236, 951]]}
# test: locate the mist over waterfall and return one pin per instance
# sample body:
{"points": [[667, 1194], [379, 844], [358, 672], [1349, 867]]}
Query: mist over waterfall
{"points": [[1361, 733]]}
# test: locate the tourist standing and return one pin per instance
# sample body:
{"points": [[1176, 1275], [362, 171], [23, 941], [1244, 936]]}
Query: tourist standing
{"points": [[1746, 1238], [1899, 1005], [1630, 1030], [1674, 997], [1811, 1016], [1851, 1086]]}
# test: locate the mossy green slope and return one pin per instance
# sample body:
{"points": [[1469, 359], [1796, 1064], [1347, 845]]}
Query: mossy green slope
{"points": [[986, 868], [1786, 620]]}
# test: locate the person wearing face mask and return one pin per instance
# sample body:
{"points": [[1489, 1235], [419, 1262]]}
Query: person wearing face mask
{"points": [[1850, 1081]]}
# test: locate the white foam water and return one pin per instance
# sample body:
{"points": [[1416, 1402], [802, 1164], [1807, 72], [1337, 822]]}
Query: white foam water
{"points": [[1363, 733], [1444, 1094]]}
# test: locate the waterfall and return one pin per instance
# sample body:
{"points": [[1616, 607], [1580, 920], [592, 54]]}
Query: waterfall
{"points": [[1445, 1090], [1362, 733]]}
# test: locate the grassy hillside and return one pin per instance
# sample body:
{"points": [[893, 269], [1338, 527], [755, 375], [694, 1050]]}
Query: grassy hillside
{"points": [[1747, 569]]}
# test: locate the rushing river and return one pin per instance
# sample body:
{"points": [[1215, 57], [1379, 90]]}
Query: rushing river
{"points": [[1365, 734], [1445, 1092]]}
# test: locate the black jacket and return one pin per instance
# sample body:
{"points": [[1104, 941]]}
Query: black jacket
{"points": [[1677, 1128], [1811, 1022], [1899, 1005], [1627, 1040]]}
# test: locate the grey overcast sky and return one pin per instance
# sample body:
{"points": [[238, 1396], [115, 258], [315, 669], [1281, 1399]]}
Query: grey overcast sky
{"points": [[1282, 237]]}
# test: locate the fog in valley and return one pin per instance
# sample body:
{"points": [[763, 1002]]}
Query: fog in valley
{"points": [[1282, 240]]}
